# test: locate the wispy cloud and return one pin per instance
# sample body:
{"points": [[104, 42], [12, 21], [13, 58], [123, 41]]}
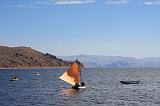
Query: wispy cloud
{"points": [[24, 5], [47, 3], [116, 2], [68, 2], [19, 6], [44, 2], [152, 2]]}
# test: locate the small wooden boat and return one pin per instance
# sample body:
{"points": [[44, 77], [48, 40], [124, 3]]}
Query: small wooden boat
{"points": [[14, 78], [37, 73], [130, 82]]}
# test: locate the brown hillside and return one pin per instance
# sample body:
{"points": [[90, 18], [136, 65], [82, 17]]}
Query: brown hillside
{"points": [[25, 57]]}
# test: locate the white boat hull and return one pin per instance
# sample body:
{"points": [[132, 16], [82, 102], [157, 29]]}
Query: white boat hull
{"points": [[82, 87]]}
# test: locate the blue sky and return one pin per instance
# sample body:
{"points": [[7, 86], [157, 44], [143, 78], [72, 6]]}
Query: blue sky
{"points": [[72, 27]]}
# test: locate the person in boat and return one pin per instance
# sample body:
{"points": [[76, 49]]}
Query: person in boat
{"points": [[77, 85]]}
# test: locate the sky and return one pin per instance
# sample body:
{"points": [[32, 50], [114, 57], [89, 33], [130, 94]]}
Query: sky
{"points": [[93, 27]]}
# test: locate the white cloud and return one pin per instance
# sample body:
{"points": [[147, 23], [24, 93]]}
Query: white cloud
{"points": [[18, 6], [116, 2], [41, 3], [67, 2], [151, 2], [44, 3]]}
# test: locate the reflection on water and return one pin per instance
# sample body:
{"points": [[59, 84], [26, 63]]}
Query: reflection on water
{"points": [[71, 92]]}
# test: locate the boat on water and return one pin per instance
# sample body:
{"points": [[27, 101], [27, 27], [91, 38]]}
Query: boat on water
{"points": [[130, 82], [73, 76], [14, 78], [37, 73]]}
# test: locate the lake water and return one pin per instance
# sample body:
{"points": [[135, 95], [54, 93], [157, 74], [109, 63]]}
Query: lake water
{"points": [[103, 88]]}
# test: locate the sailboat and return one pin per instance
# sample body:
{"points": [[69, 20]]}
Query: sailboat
{"points": [[73, 76]]}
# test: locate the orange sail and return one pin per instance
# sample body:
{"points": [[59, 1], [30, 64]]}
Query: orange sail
{"points": [[72, 75]]}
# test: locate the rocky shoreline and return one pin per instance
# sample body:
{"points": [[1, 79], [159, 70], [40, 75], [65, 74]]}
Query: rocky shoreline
{"points": [[26, 57]]}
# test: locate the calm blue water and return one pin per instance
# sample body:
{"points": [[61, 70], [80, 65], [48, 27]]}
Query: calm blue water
{"points": [[103, 88]]}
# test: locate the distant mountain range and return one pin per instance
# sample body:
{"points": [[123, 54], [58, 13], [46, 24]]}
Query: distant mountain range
{"points": [[113, 61], [26, 57]]}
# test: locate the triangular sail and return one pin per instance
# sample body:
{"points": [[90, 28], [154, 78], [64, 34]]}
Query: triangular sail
{"points": [[72, 75]]}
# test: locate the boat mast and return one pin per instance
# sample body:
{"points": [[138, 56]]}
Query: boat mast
{"points": [[80, 73]]}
